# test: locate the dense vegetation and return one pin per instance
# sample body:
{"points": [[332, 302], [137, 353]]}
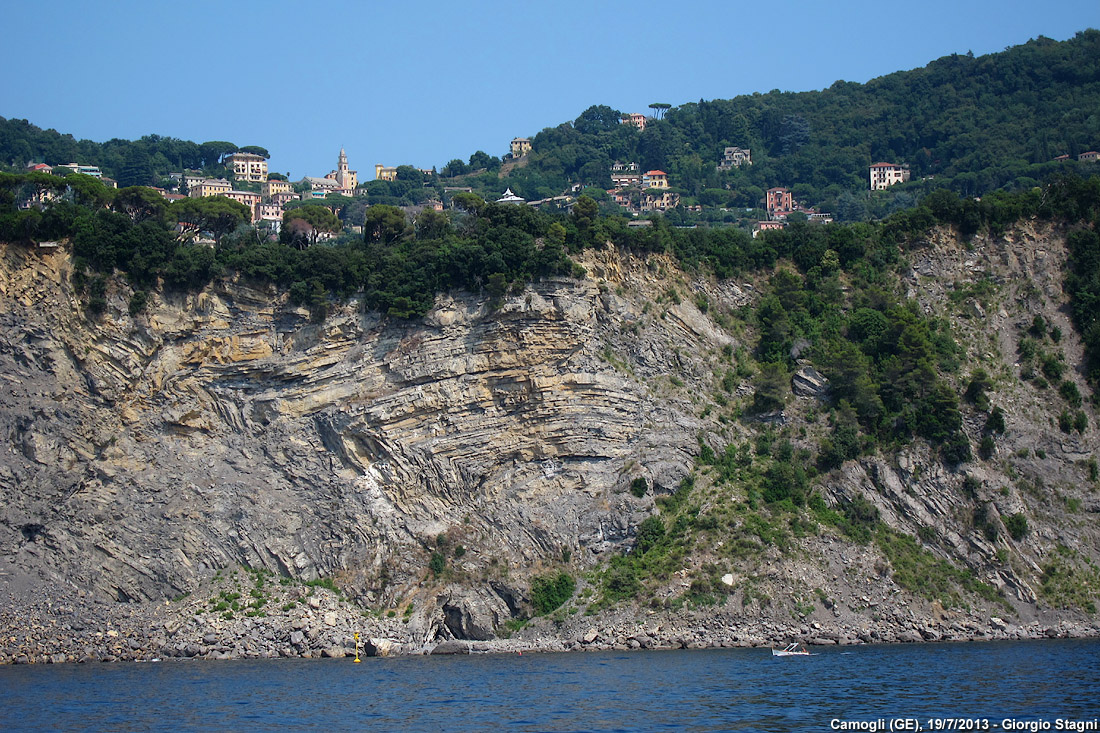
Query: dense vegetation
{"points": [[973, 124], [143, 162]]}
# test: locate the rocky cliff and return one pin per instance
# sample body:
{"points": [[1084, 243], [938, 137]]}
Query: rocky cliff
{"points": [[224, 429]]}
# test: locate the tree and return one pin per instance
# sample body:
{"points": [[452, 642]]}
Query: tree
{"points": [[88, 190], [598, 118], [214, 152], [659, 109], [771, 389], [383, 224], [431, 224], [481, 159], [215, 214], [468, 202], [137, 170], [454, 168], [305, 224], [585, 213], [140, 203], [255, 150]]}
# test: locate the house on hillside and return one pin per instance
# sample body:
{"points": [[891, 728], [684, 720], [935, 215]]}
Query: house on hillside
{"points": [[1090, 157], [248, 198], [510, 198], [87, 170], [764, 226], [274, 186], [382, 173], [735, 158], [284, 197], [658, 199], [247, 166], [655, 179], [270, 213], [319, 187], [779, 203], [626, 174], [209, 187], [635, 118], [521, 146], [884, 175]]}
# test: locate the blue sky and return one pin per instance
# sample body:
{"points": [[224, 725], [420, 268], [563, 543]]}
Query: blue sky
{"points": [[421, 82]]}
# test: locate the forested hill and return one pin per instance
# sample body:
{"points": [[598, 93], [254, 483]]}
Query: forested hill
{"points": [[974, 123]]}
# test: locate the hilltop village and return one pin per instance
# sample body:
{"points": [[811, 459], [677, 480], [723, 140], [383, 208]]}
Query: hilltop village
{"points": [[269, 196]]}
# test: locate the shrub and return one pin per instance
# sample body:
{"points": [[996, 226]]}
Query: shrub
{"points": [[970, 485], [621, 580], [995, 423], [138, 301], [1080, 421], [437, 564], [549, 592], [650, 532], [860, 519], [1053, 366], [980, 383], [639, 486], [921, 572], [785, 481], [955, 449], [986, 447], [1069, 390], [1016, 524], [1065, 421]]}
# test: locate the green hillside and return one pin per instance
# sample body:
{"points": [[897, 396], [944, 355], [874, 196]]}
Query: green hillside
{"points": [[970, 124]]}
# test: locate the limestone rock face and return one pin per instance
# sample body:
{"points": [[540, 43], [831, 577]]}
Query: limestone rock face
{"points": [[432, 468], [224, 428]]}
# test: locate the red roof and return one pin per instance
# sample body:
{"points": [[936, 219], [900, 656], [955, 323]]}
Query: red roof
{"points": [[883, 165], [656, 173]]}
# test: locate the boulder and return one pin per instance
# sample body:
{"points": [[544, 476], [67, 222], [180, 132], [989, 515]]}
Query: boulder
{"points": [[808, 382], [378, 647], [451, 647], [473, 614]]}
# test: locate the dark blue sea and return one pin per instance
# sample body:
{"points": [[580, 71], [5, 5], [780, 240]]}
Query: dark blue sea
{"points": [[993, 685]]}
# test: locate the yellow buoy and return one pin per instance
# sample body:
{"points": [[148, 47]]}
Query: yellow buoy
{"points": [[357, 647]]}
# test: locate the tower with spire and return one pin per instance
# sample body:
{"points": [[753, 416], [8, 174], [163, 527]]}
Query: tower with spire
{"points": [[347, 179]]}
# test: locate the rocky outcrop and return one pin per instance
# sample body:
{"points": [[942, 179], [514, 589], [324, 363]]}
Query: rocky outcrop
{"points": [[225, 429]]}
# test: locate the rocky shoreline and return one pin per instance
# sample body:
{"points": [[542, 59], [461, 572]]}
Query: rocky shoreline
{"points": [[319, 623]]}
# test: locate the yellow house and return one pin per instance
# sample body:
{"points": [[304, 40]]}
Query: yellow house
{"points": [[210, 187], [382, 173], [521, 146], [270, 188], [655, 179], [247, 166]]}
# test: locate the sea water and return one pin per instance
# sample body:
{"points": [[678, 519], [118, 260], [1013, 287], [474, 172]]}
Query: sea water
{"points": [[1035, 685]]}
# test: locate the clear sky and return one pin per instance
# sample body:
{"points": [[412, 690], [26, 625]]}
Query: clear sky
{"points": [[420, 82]]}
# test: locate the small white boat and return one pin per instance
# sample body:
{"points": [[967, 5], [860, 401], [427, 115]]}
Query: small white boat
{"points": [[793, 649]]}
